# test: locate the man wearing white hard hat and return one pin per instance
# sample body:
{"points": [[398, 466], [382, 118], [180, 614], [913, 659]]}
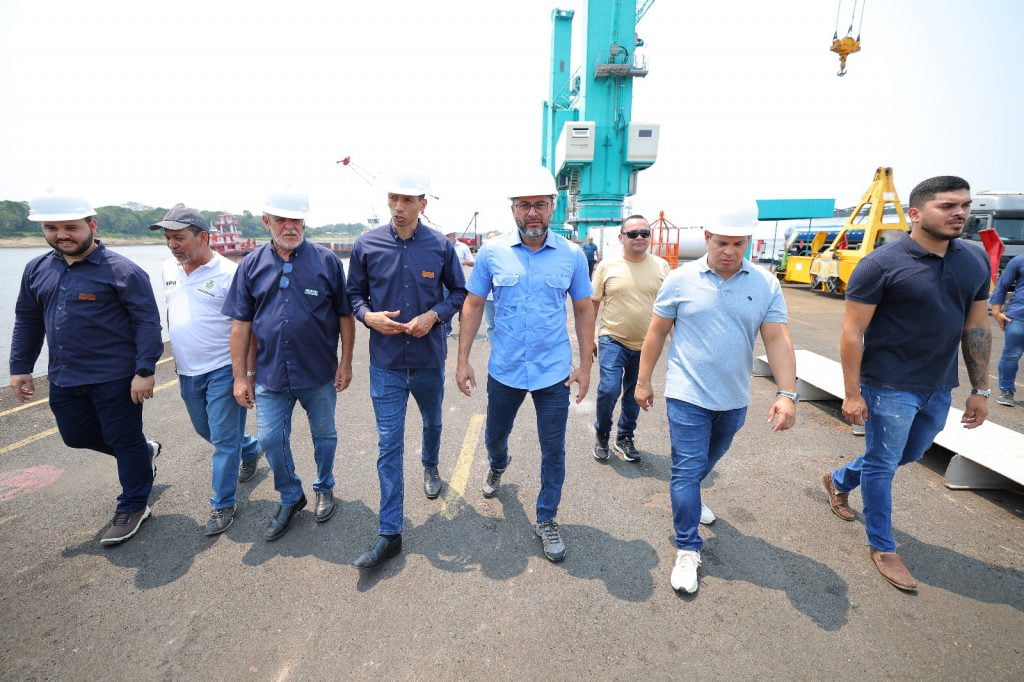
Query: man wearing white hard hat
{"points": [[97, 312], [405, 283], [715, 307], [196, 281], [288, 298], [530, 273]]}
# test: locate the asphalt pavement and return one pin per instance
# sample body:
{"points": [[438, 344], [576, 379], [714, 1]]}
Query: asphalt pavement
{"points": [[787, 590]]}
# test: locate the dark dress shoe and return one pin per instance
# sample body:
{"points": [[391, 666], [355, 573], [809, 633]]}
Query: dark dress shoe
{"points": [[431, 483], [279, 524], [325, 506], [382, 550]]}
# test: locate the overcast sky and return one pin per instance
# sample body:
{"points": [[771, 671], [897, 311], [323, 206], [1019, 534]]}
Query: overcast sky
{"points": [[213, 102]]}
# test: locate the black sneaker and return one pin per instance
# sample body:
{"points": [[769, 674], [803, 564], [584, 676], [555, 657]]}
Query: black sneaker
{"points": [[624, 446], [601, 453], [493, 481], [124, 525], [248, 468], [220, 520], [154, 452], [1006, 398]]}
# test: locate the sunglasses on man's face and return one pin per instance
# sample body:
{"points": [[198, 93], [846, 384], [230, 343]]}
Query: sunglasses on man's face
{"points": [[638, 234]]}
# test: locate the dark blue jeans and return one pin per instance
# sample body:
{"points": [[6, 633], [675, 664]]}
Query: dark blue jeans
{"points": [[619, 368], [901, 425], [389, 390], [102, 417], [700, 437], [552, 407]]}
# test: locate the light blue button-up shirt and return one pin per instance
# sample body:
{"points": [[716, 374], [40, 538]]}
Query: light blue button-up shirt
{"points": [[711, 352], [530, 348]]}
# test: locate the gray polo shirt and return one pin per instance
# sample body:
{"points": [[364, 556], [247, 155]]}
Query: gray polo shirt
{"points": [[711, 352]]}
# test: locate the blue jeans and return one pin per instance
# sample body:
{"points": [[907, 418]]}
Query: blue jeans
{"points": [[619, 368], [552, 407], [274, 425], [389, 390], [699, 437], [102, 417], [1013, 348], [220, 421], [901, 425], [489, 316]]}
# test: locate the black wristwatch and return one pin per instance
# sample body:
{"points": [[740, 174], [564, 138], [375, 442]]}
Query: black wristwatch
{"points": [[144, 373]]}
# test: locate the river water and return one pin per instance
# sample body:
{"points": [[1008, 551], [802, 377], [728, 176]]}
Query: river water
{"points": [[12, 264]]}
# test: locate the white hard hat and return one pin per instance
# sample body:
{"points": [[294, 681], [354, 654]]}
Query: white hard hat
{"points": [[411, 183], [723, 231], [53, 207], [535, 183], [287, 203]]}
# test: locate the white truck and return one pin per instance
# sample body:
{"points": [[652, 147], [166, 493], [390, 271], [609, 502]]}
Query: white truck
{"points": [[1002, 211]]}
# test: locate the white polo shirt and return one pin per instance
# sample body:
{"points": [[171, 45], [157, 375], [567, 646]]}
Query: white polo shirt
{"points": [[200, 333]]}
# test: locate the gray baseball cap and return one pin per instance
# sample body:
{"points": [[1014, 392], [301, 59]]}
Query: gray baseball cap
{"points": [[179, 217]]}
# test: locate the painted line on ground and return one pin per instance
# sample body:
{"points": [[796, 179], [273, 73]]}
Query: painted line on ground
{"points": [[460, 476], [49, 432], [19, 408]]}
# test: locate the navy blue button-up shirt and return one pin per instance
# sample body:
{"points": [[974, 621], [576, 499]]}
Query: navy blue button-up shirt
{"points": [[98, 315], [389, 273], [296, 327]]}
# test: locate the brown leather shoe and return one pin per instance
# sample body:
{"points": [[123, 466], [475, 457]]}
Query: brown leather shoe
{"points": [[837, 501], [890, 565]]}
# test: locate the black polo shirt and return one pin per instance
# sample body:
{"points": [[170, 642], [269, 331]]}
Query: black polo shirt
{"points": [[922, 302]]}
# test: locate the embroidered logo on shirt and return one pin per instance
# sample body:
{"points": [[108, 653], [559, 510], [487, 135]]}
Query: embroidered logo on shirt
{"points": [[86, 297], [209, 284], [312, 292], [427, 274]]}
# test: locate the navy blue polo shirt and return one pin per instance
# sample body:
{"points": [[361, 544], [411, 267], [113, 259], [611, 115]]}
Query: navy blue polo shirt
{"points": [[922, 303], [386, 272], [296, 327], [98, 315]]}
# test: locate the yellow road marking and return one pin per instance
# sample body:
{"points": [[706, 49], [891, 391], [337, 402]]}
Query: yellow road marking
{"points": [[457, 484], [49, 432], [28, 441]]}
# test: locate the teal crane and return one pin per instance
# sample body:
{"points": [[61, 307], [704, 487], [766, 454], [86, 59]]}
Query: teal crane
{"points": [[596, 152]]}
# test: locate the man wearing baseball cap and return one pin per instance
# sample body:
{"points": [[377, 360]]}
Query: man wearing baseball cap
{"points": [[714, 306], [99, 318], [196, 282]]}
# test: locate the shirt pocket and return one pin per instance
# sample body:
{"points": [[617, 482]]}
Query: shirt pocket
{"points": [[504, 290]]}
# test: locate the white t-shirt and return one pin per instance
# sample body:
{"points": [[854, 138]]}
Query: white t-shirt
{"points": [[200, 333], [464, 254]]}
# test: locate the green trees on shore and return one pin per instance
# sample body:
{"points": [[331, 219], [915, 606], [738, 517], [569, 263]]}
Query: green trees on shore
{"points": [[135, 221]]}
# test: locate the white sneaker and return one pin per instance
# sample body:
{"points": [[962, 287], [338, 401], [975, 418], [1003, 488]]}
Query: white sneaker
{"points": [[684, 574], [707, 517]]}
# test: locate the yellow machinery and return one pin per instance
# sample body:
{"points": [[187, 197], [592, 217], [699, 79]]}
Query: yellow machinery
{"points": [[847, 45], [867, 228], [800, 255]]}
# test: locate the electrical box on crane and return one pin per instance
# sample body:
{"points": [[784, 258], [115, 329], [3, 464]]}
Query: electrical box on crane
{"points": [[642, 144], [575, 144]]}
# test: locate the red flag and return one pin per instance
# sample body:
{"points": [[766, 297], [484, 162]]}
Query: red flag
{"points": [[994, 248]]}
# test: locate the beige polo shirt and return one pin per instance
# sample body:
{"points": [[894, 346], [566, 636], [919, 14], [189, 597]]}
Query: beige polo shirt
{"points": [[628, 291]]}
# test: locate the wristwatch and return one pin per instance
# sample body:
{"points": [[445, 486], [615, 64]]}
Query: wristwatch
{"points": [[144, 373], [983, 392], [795, 397]]}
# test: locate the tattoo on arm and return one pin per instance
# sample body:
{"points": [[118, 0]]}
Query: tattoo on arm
{"points": [[976, 345]]}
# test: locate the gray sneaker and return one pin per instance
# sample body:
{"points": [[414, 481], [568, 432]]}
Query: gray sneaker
{"points": [[601, 453], [154, 452], [624, 446], [124, 525], [247, 470], [1006, 398], [554, 548], [220, 520], [493, 481]]}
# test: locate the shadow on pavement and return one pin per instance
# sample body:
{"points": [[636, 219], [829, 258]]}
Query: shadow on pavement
{"points": [[813, 588], [960, 574]]}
